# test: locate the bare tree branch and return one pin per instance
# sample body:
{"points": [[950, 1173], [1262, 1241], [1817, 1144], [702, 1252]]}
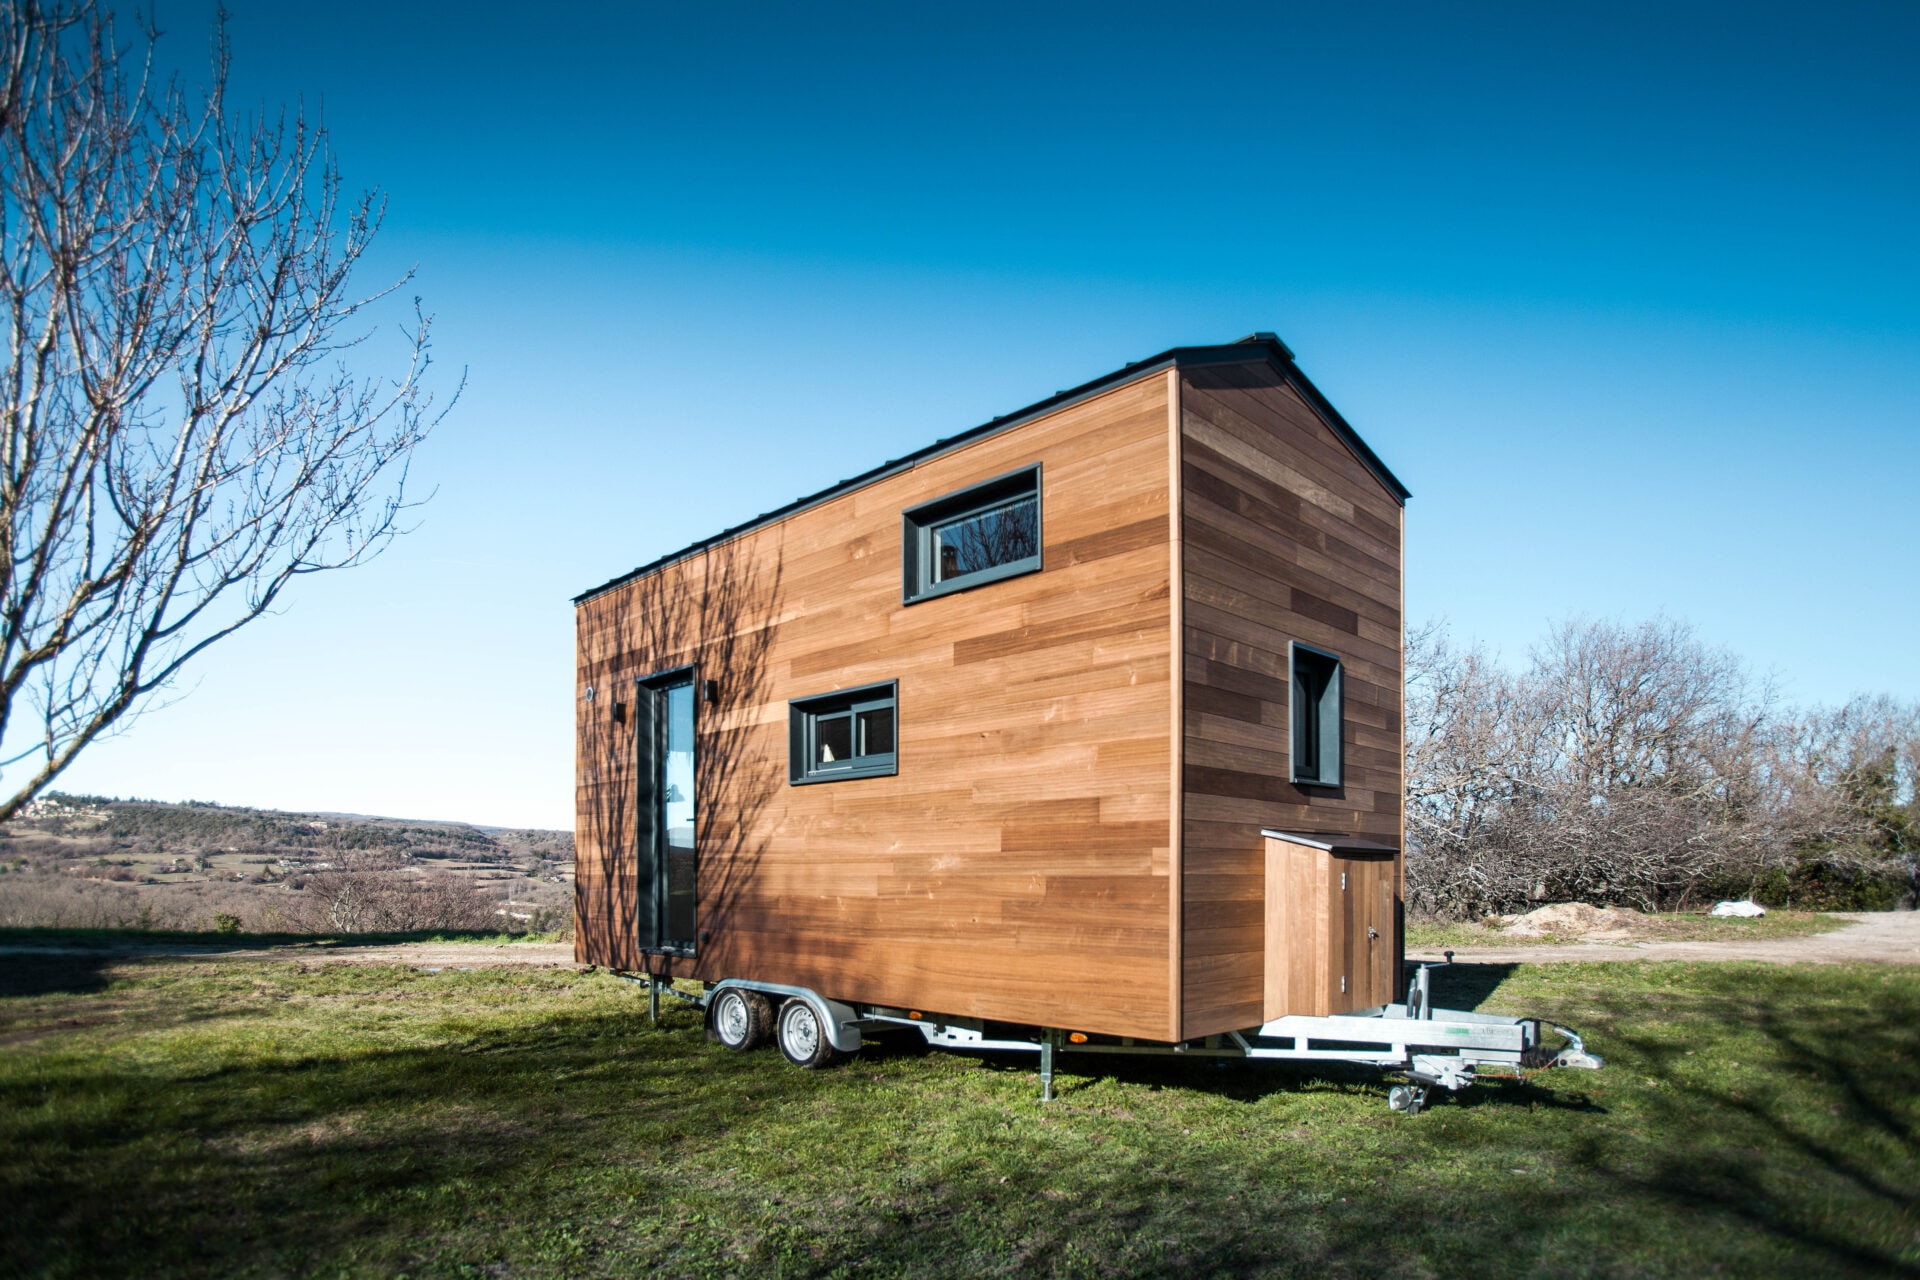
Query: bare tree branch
{"points": [[180, 434], [1635, 764]]}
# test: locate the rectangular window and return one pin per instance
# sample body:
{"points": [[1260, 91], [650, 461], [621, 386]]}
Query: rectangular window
{"points": [[1314, 748], [849, 734], [967, 539]]}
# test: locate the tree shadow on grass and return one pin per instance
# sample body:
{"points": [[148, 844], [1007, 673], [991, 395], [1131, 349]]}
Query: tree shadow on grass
{"points": [[1468, 986], [586, 1142], [53, 974], [281, 1166], [432, 1159], [1828, 1113], [37, 962]]}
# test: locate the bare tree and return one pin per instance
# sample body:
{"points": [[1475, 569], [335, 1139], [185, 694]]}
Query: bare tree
{"points": [[180, 436], [1469, 744], [1637, 764], [1625, 764], [1850, 787], [1000, 535], [374, 894], [1653, 775]]}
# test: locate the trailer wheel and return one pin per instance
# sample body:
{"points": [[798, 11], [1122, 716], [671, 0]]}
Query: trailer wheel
{"points": [[740, 1019], [803, 1040]]}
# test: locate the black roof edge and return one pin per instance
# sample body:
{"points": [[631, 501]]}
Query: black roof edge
{"points": [[1228, 353]]}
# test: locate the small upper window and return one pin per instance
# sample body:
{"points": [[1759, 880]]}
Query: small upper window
{"points": [[1315, 747], [849, 734], [978, 535]]}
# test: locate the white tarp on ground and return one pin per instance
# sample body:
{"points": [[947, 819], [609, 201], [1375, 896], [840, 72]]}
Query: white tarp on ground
{"points": [[1738, 909]]}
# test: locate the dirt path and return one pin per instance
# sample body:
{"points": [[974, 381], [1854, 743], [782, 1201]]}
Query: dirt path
{"points": [[1889, 937], [428, 955]]}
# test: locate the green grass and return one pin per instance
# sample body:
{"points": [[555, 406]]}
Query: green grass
{"points": [[216, 1118], [1432, 935]]}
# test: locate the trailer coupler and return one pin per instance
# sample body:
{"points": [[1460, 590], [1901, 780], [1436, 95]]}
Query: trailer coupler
{"points": [[1574, 1055]]}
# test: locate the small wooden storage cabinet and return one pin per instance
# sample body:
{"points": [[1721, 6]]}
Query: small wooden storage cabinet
{"points": [[1332, 924]]}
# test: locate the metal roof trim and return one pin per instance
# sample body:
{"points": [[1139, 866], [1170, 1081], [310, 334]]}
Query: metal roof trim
{"points": [[1331, 842]]}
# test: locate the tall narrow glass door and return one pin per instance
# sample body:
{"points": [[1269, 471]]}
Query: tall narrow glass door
{"points": [[665, 913], [676, 817]]}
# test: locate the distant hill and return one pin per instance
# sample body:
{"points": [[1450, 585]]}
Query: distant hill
{"points": [[139, 827], [100, 862]]}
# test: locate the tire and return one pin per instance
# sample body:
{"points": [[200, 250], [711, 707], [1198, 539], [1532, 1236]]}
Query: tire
{"points": [[740, 1019], [803, 1038]]}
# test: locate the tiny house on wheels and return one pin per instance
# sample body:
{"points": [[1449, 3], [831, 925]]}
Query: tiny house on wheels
{"points": [[1076, 731]]}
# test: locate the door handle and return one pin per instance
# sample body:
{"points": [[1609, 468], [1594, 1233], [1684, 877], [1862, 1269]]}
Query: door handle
{"points": [[1372, 933]]}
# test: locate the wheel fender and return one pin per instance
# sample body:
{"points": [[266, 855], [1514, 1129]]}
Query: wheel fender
{"points": [[840, 1021]]}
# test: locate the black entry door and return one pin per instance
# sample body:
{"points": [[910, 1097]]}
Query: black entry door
{"points": [[665, 919]]}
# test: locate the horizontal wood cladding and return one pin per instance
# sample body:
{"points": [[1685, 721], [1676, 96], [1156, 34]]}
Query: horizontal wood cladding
{"points": [[1017, 867], [1286, 536]]}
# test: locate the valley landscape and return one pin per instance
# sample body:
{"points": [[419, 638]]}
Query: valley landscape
{"points": [[87, 862]]}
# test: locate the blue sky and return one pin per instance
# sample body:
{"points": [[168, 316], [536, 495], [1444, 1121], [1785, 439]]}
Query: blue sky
{"points": [[1628, 295]]}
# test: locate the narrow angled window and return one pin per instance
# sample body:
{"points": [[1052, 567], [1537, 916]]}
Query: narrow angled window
{"points": [[967, 539], [1314, 745], [849, 734]]}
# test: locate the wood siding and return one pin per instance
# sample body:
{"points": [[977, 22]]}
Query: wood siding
{"points": [[1018, 866], [1285, 536]]}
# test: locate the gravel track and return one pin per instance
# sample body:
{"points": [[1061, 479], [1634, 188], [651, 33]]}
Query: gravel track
{"points": [[1886, 937]]}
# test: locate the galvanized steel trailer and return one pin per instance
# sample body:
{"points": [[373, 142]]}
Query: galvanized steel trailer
{"points": [[1433, 1048]]}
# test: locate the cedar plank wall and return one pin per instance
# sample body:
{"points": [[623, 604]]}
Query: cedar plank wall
{"points": [[1286, 536], [1017, 867]]}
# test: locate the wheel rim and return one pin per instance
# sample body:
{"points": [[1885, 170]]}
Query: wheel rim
{"points": [[800, 1030], [730, 1018]]}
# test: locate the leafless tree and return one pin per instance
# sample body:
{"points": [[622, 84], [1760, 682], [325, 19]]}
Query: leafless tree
{"points": [[1629, 764], [997, 536], [180, 435], [1636, 764], [1469, 743], [1850, 787], [367, 896]]}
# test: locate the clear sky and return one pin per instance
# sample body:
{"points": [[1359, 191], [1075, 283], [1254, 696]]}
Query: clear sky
{"points": [[1628, 295]]}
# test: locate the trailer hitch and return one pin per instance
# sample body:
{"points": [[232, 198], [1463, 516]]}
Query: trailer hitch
{"points": [[1539, 1057]]}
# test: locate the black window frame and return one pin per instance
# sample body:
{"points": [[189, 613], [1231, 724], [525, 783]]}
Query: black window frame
{"points": [[1318, 719], [919, 524], [804, 715]]}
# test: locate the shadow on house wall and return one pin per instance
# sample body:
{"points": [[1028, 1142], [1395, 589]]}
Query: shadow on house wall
{"points": [[716, 612]]}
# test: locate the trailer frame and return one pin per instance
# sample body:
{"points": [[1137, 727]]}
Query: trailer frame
{"points": [[1432, 1048]]}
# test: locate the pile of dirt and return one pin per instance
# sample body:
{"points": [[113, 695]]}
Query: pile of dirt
{"points": [[1574, 920]]}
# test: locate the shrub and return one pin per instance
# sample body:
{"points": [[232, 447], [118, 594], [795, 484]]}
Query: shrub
{"points": [[367, 901], [1824, 882]]}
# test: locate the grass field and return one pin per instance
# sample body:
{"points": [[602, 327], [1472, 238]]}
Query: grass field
{"points": [[215, 1118]]}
